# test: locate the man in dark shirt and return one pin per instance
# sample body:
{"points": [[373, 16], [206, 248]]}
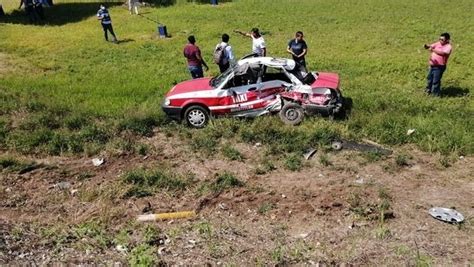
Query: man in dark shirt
{"points": [[195, 61], [297, 47], [104, 17], [30, 10]]}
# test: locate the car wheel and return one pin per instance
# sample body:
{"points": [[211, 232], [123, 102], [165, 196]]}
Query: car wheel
{"points": [[336, 145], [196, 116], [292, 114]]}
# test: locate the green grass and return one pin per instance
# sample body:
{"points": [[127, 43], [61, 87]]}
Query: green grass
{"points": [[146, 183], [375, 46]]}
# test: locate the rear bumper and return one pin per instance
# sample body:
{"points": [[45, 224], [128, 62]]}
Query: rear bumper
{"points": [[172, 112]]}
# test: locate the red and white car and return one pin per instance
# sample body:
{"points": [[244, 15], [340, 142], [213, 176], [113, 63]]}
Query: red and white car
{"points": [[250, 88]]}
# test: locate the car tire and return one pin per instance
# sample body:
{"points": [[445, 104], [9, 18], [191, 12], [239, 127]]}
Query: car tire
{"points": [[196, 116], [292, 114]]}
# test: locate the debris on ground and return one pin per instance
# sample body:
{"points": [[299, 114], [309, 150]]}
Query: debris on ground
{"points": [[359, 180], [369, 147], [446, 215], [121, 248], [410, 131], [98, 161], [165, 216], [147, 208], [62, 185], [336, 145], [309, 153]]}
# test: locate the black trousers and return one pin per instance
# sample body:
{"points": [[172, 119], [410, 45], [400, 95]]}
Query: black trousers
{"points": [[108, 27], [223, 67]]}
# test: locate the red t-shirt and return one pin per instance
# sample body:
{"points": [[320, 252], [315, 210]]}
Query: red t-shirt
{"points": [[192, 52]]}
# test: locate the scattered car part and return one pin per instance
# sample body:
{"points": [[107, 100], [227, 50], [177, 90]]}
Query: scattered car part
{"points": [[446, 215], [352, 145], [165, 216], [97, 162], [336, 145], [309, 153]]}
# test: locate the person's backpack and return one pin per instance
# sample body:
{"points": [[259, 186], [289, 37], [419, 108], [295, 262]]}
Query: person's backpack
{"points": [[219, 54]]}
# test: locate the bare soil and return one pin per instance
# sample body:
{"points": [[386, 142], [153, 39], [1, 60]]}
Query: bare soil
{"points": [[323, 214]]}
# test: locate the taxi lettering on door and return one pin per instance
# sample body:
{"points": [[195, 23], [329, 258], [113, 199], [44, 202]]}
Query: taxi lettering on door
{"points": [[239, 98]]}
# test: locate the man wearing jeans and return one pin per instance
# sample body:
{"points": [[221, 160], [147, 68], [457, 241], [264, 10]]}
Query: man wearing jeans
{"points": [[440, 52], [195, 61]]}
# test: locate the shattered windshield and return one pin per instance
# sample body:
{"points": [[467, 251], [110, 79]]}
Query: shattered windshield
{"points": [[214, 82]]}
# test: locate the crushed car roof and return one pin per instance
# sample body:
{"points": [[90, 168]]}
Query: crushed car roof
{"points": [[288, 64]]}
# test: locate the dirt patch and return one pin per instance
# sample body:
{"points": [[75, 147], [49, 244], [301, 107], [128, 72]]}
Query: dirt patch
{"points": [[349, 211]]}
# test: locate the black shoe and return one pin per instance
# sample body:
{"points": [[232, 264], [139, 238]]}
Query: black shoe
{"points": [[427, 91]]}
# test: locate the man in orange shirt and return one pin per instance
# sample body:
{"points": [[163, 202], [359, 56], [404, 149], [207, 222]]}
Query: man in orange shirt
{"points": [[440, 52]]}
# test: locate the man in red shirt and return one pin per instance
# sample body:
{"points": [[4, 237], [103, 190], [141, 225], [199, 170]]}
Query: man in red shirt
{"points": [[440, 52], [195, 61]]}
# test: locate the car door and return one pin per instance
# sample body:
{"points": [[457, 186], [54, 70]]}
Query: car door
{"points": [[273, 80]]}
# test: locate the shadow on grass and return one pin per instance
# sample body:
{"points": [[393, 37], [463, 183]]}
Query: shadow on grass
{"points": [[454, 91], [348, 104], [59, 14], [64, 13], [127, 40]]}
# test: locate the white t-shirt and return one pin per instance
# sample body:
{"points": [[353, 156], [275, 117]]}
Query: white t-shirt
{"points": [[228, 54], [258, 44]]}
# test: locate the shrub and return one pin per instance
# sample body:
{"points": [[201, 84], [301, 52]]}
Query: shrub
{"points": [[93, 133], [293, 162], [204, 141], [29, 142], [142, 255], [402, 160], [225, 181], [264, 167], [232, 153], [145, 183], [142, 125], [3, 132], [8, 162], [76, 122], [324, 160]]}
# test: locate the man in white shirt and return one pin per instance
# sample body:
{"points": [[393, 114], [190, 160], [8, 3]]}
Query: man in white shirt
{"points": [[223, 54], [258, 43], [133, 6]]}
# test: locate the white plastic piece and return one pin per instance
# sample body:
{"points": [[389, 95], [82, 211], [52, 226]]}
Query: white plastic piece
{"points": [[146, 218], [447, 215], [97, 162]]}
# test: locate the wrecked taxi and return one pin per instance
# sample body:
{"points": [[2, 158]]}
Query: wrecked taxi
{"points": [[252, 87]]}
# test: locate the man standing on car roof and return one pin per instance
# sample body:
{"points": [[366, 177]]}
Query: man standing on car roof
{"points": [[224, 53], [258, 43], [298, 49], [195, 61], [440, 52], [104, 17]]}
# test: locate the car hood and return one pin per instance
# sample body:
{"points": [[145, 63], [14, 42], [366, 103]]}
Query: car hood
{"points": [[326, 80], [195, 85]]}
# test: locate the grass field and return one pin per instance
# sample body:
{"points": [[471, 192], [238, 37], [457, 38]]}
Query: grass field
{"points": [[60, 78], [67, 96]]}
